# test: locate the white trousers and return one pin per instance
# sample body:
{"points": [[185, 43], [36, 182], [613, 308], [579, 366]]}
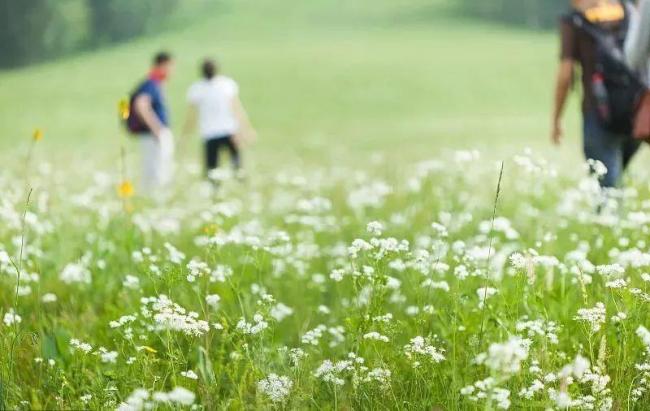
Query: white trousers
{"points": [[157, 161], [637, 45]]}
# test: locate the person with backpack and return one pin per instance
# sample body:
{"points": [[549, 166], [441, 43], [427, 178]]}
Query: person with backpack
{"points": [[592, 37], [149, 122], [223, 122]]}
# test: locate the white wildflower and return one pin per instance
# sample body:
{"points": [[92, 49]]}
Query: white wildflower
{"points": [[81, 346], [190, 374], [595, 316], [484, 293], [505, 357], [375, 228], [275, 387], [75, 273], [418, 347], [375, 336], [11, 318], [257, 326], [280, 311], [178, 395], [131, 282], [49, 298], [213, 301]]}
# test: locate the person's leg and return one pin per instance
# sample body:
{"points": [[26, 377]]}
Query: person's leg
{"points": [[235, 155], [601, 145], [150, 152], [211, 155], [165, 163], [630, 147]]}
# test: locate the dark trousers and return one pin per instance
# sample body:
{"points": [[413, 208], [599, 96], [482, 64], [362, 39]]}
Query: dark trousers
{"points": [[613, 150], [213, 148]]}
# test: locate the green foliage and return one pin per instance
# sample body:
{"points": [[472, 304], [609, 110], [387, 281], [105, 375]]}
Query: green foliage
{"points": [[116, 20], [36, 30], [29, 30], [531, 13]]}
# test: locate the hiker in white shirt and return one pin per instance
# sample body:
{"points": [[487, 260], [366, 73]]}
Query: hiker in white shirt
{"points": [[223, 122]]}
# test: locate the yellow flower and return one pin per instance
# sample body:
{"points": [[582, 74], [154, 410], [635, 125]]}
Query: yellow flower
{"points": [[210, 229], [37, 135], [148, 349], [125, 189], [123, 109]]}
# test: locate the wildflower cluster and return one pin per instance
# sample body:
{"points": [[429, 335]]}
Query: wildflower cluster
{"points": [[338, 287]]}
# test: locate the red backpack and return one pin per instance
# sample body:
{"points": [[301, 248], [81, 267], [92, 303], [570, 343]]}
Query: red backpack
{"points": [[134, 122]]}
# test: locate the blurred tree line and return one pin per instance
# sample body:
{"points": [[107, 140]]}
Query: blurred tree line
{"points": [[35, 30], [530, 13]]}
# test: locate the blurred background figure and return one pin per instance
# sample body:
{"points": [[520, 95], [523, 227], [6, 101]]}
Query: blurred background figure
{"points": [[223, 122], [149, 120], [611, 146]]}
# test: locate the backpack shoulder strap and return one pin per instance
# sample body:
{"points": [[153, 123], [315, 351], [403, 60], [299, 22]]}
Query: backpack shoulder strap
{"points": [[601, 36], [578, 20]]}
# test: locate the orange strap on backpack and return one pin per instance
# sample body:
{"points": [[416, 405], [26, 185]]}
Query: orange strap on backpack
{"points": [[605, 12], [642, 119]]}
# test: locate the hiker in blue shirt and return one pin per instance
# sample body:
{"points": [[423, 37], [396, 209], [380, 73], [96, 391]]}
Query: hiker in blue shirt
{"points": [[149, 120]]}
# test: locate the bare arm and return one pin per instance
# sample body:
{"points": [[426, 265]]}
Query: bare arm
{"points": [[145, 111], [562, 87], [246, 129]]}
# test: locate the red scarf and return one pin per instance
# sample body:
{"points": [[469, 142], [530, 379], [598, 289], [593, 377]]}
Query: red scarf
{"points": [[158, 75]]}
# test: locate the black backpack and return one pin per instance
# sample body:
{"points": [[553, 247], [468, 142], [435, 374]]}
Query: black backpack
{"points": [[617, 89], [134, 123]]}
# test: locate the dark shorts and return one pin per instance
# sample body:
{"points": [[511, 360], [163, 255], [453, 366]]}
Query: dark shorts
{"points": [[214, 146]]}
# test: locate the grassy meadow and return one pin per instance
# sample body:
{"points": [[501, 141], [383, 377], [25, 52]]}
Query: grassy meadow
{"points": [[405, 239]]}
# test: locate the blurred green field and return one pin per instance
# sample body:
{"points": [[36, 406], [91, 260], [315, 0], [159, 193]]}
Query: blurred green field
{"points": [[323, 80]]}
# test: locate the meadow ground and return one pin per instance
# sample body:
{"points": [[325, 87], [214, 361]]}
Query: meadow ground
{"points": [[364, 264]]}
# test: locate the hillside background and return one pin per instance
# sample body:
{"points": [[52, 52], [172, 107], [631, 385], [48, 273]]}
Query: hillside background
{"points": [[324, 80]]}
